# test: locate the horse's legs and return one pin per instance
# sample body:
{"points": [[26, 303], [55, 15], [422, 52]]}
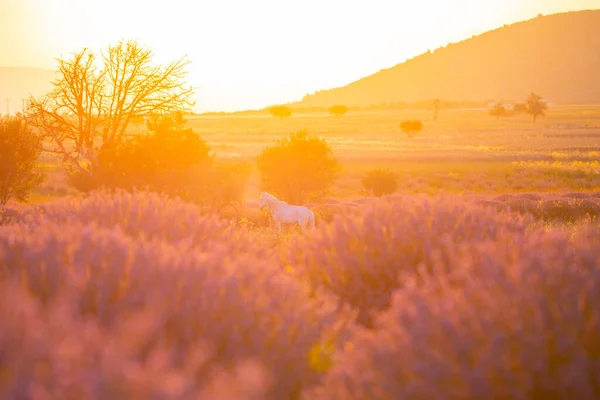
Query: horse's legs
{"points": [[302, 224]]}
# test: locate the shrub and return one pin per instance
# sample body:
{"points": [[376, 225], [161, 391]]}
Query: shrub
{"points": [[380, 182], [362, 257], [411, 128], [19, 151], [280, 111], [498, 110], [568, 210], [338, 110], [518, 318], [298, 168], [157, 160]]}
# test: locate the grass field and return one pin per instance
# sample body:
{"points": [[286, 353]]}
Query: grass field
{"points": [[464, 151]]}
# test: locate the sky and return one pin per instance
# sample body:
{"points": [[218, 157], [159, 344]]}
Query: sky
{"points": [[247, 54]]}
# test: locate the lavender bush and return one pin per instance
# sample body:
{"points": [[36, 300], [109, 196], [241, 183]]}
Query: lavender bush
{"points": [[138, 296], [146, 215], [363, 257], [236, 305], [52, 352], [516, 319], [550, 207]]}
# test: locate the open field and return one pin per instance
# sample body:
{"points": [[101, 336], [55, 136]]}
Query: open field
{"points": [[465, 151]]}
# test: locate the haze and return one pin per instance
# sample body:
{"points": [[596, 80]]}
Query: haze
{"points": [[250, 54]]}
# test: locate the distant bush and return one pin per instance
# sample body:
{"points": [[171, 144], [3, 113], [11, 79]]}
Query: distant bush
{"points": [[498, 110], [380, 182], [569, 210], [517, 318], [280, 111], [298, 168], [411, 128], [19, 151], [338, 110]]}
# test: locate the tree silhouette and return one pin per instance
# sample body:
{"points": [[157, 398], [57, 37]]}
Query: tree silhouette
{"points": [[498, 110], [281, 111], [338, 110], [94, 101], [535, 106], [411, 128]]}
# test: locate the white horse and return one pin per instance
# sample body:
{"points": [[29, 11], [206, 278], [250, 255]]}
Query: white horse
{"points": [[286, 213]]}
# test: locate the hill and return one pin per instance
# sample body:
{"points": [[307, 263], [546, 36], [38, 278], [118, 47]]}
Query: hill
{"points": [[17, 83], [556, 56]]}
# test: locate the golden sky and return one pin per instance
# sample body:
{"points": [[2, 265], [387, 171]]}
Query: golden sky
{"points": [[253, 53]]}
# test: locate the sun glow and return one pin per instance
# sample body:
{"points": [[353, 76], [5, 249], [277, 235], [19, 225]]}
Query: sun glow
{"points": [[248, 54]]}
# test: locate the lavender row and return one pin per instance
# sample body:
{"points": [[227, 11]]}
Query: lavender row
{"points": [[363, 256], [516, 318], [237, 306]]}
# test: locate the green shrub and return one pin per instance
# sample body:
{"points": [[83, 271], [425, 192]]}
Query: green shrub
{"points": [[298, 168], [380, 182], [411, 128], [170, 160], [19, 151], [338, 110], [281, 111], [157, 161]]}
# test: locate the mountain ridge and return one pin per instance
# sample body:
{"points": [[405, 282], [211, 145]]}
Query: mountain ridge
{"points": [[557, 56]]}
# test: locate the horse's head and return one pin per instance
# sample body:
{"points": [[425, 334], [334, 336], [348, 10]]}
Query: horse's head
{"points": [[263, 200], [267, 199]]}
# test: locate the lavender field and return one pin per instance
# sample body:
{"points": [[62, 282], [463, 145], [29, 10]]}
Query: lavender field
{"points": [[140, 296]]}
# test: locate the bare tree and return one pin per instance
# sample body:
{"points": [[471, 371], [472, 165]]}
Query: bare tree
{"points": [[94, 101]]}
